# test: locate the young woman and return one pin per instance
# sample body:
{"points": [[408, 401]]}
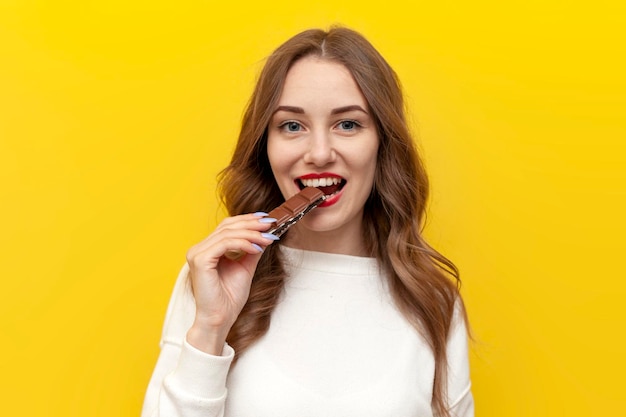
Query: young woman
{"points": [[351, 312]]}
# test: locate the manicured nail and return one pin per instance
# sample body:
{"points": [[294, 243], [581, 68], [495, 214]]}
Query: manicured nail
{"points": [[260, 214], [270, 236], [257, 247], [267, 220]]}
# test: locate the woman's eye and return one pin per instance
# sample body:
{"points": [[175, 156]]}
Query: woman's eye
{"points": [[291, 126], [348, 125]]}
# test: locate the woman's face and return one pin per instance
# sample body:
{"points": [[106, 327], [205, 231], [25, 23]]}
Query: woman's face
{"points": [[323, 135]]}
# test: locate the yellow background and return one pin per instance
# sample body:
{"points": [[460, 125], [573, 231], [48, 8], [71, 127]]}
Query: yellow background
{"points": [[115, 117]]}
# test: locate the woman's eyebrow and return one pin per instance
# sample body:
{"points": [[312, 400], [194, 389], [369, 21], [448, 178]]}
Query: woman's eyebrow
{"points": [[346, 109], [290, 109], [338, 110]]}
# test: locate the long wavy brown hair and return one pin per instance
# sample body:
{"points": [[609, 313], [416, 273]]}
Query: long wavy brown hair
{"points": [[424, 284]]}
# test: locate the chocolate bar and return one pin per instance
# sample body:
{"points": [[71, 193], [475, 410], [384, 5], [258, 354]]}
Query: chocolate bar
{"points": [[292, 210], [288, 214]]}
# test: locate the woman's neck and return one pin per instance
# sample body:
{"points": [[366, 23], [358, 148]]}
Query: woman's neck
{"points": [[334, 241]]}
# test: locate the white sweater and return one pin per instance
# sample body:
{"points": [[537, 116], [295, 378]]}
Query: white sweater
{"points": [[337, 347]]}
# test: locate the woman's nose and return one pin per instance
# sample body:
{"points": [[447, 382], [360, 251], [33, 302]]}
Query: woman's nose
{"points": [[320, 151]]}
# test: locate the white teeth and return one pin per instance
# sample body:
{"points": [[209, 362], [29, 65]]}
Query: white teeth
{"points": [[320, 182]]}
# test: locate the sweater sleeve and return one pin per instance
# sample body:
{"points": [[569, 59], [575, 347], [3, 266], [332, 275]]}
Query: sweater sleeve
{"points": [[460, 399], [185, 381]]}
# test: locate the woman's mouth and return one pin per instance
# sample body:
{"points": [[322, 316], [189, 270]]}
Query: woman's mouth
{"points": [[328, 185]]}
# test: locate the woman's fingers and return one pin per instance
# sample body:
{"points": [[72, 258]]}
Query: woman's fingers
{"points": [[249, 221], [247, 227], [236, 254], [213, 248]]}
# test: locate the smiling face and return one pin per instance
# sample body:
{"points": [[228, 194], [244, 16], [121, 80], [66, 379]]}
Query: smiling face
{"points": [[323, 135]]}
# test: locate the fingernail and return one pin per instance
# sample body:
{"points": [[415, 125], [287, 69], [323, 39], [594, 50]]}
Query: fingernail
{"points": [[270, 236], [257, 247], [260, 214], [267, 220]]}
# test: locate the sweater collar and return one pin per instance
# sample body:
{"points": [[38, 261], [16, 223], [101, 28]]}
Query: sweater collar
{"points": [[329, 262]]}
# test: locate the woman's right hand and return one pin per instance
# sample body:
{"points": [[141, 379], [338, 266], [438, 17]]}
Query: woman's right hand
{"points": [[220, 285]]}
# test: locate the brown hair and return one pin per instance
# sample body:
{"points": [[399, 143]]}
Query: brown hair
{"points": [[394, 213]]}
